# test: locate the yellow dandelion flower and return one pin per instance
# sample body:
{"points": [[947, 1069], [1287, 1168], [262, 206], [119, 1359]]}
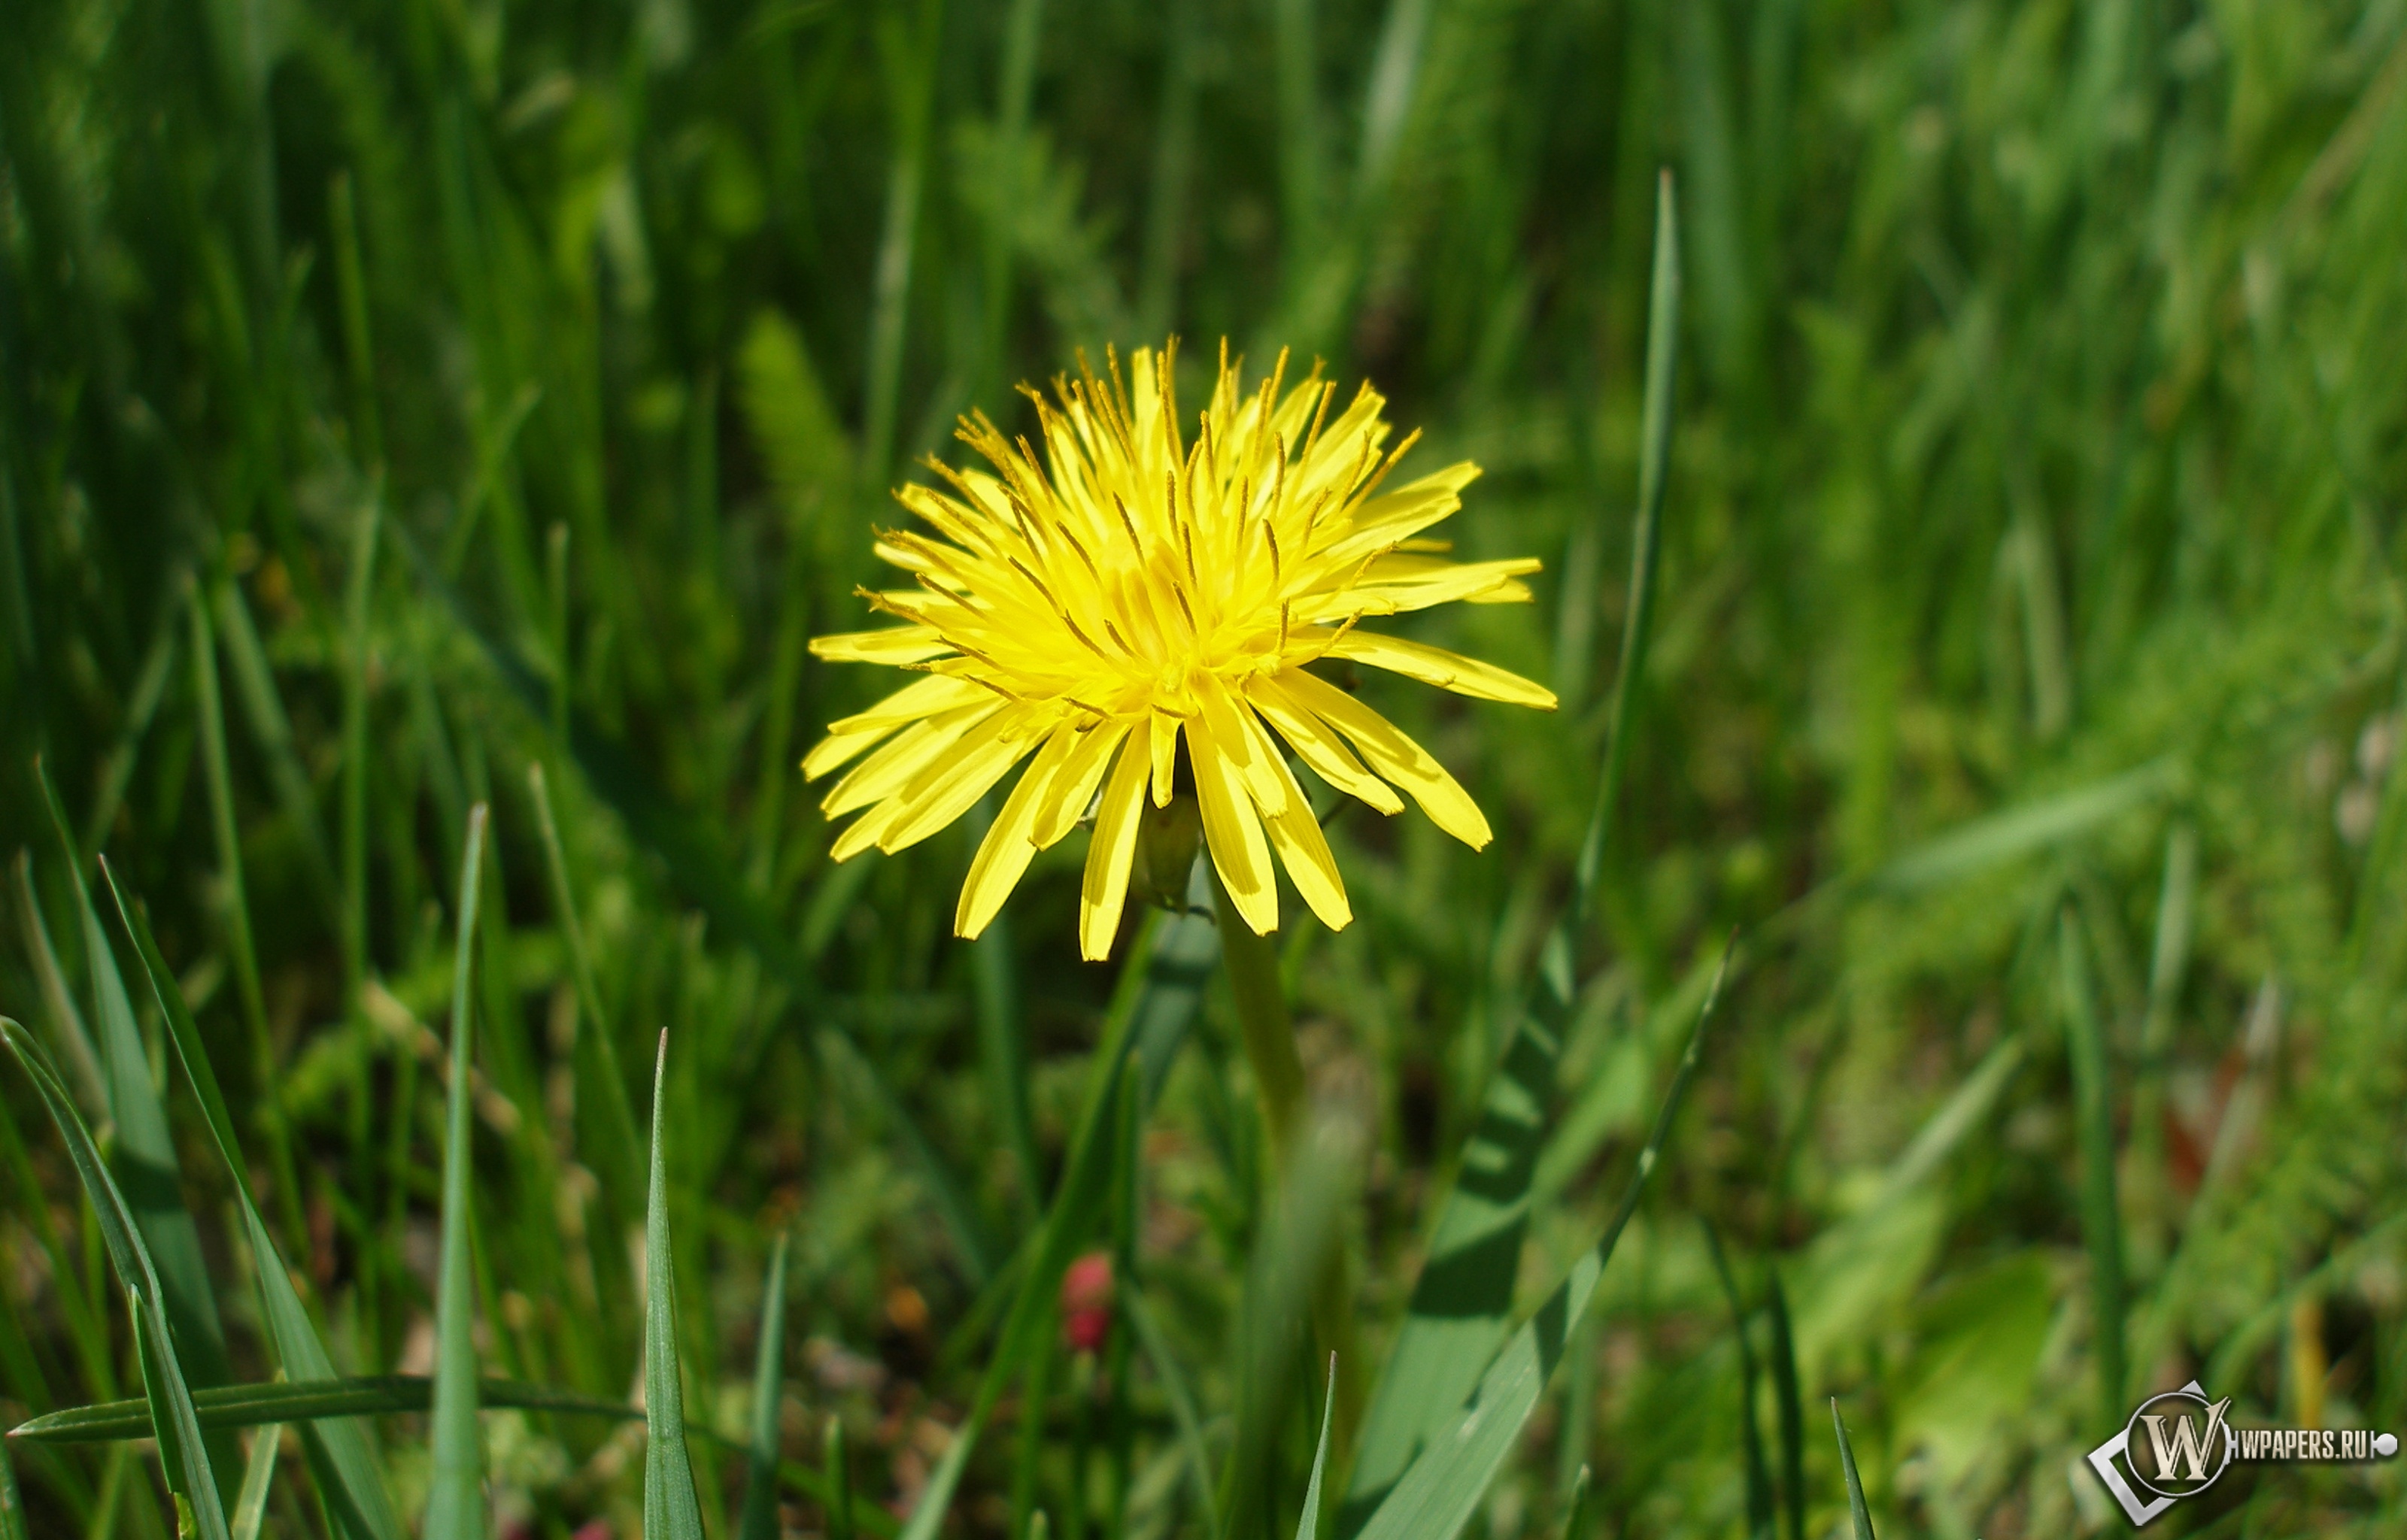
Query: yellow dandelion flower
{"points": [[1131, 592]]}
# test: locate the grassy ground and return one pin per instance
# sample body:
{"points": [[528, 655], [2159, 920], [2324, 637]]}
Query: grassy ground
{"points": [[399, 397]]}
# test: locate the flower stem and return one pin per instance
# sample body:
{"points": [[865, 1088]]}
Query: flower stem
{"points": [[1253, 967], [1262, 1019]]}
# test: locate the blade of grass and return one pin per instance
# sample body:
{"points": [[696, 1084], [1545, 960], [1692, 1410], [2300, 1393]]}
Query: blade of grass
{"points": [[1307, 1526], [145, 1154], [1792, 1405], [1300, 1238], [184, 1450], [141, 708], [1758, 1479], [455, 1499], [995, 964], [358, 604], [1856, 1510], [254, 685], [251, 1508], [304, 1403], [1443, 1485], [1984, 843], [1654, 475], [1174, 163], [837, 1499], [1459, 1303], [2101, 1220], [600, 1077], [359, 355], [74, 1039], [341, 1458], [671, 1510], [759, 1519], [1182, 1407], [83, 1308], [1294, 25], [12, 1503], [1576, 1511], [909, 46], [237, 913]]}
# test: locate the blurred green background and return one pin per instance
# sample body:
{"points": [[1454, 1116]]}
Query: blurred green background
{"points": [[398, 395]]}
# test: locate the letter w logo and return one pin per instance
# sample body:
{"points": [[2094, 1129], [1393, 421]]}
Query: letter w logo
{"points": [[2187, 1448]]}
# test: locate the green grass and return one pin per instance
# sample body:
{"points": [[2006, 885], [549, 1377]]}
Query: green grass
{"points": [[414, 409]]}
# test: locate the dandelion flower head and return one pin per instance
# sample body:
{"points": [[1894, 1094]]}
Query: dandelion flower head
{"points": [[1129, 593]]}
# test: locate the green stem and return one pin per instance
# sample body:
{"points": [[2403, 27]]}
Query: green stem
{"points": [[1262, 1019], [1269, 1033]]}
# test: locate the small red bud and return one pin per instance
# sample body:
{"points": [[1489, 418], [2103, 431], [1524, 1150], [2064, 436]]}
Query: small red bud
{"points": [[1086, 1302]]}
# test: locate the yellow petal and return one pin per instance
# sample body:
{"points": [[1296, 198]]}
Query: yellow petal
{"points": [[896, 644], [1250, 751], [1384, 592], [1003, 855], [853, 734], [1164, 741], [1074, 785], [864, 831], [1318, 748], [1106, 888], [1232, 831], [892, 767], [943, 790], [1395, 755], [1295, 834], [1433, 666]]}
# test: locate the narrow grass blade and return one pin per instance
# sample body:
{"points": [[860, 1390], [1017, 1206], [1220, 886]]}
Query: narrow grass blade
{"points": [[1293, 26], [1758, 1479], [1460, 1303], [760, 1521], [12, 1503], [996, 970], [1182, 1407], [455, 1499], [1458, 1314], [358, 607], [254, 685], [1654, 472], [141, 709], [173, 1422], [1443, 1485], [304, 1403], [600, 1077], [837, 1499], [909, 45], [340, 1457], [66, 1022], [1857, 1511], [1307, 1526], [1576, 1511], [1296, 1243], [2012, 833], [219, 778], [258, 1473], [2101, 1220], [144, 1156], [1792, 1405], [671, 1510]]}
